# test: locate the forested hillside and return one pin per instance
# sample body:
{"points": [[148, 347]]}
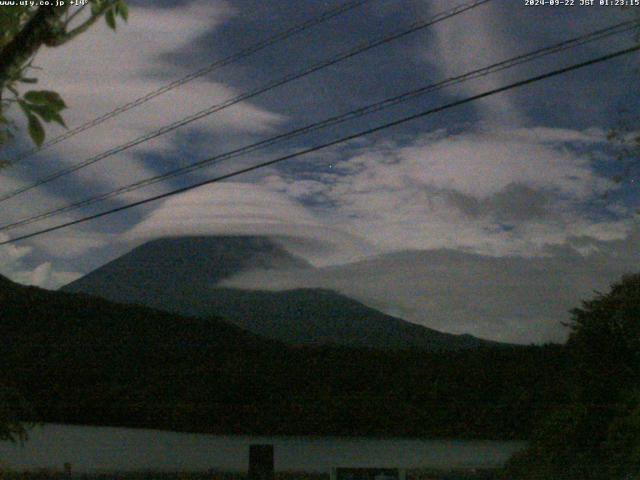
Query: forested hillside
{"points": [[80, 359], [182, 275]]}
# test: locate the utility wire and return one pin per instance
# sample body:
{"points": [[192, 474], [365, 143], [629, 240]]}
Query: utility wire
{"points": [[278, 37], [366, 110], [347, 138], [245, 96]]}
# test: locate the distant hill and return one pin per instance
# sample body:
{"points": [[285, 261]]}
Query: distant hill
{"points": [[80, 359], [323, 317], [180, 275]]}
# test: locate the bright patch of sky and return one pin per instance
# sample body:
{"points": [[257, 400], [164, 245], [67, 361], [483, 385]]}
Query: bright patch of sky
{"points": [[469, 201]]}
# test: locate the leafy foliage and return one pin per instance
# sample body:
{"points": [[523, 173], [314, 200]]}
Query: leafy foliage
{"points": [[23, 31], [45, 105], [11, 22]]}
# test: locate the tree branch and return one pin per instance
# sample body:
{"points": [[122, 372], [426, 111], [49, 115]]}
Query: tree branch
{"points": [[74, 15], [36, 32], [65, 37]]}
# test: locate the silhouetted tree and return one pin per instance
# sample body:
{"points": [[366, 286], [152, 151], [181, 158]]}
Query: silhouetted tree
{"points": [[595, 433], [24, 29]]}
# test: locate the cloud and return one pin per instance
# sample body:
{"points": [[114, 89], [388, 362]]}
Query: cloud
{"points": [[511, 299], [231, 208], [496, 191], [103, 69], [11, 254], [457, 48], [487, 232], [448, 212], [482, 164], [14, 264]]}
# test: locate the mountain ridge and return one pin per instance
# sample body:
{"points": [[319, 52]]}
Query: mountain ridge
{"points": [[180, 275], [79, 359]]}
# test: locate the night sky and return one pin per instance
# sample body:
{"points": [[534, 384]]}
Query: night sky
{"points": [[493, 218]]}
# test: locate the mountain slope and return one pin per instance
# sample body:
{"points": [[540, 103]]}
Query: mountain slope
{"points": [[317, 317], [81, 359], [179, 275], [161, 272]]}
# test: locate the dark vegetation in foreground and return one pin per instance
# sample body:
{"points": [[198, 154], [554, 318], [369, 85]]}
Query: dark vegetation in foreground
{"points": [[595, 433], [80, 359]]}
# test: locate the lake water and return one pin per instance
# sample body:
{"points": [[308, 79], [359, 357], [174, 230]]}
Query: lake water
{"points": [[91, 449]]}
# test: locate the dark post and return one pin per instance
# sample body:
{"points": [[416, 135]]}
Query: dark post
{"points": [[261, 462]]}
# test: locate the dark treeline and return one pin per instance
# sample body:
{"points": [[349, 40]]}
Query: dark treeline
{"points": [[80, 359]]}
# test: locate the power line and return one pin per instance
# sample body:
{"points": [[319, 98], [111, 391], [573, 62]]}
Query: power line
{"points": [[416, 26], [347, 138], [278, 37], [372, 108]]}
